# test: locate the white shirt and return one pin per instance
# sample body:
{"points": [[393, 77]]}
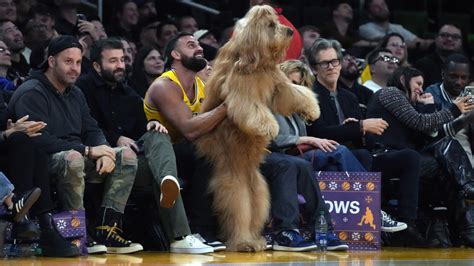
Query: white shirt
{"points": [[372, 85]]}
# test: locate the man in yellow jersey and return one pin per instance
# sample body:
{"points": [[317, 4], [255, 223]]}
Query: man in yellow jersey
{"points": [[174, 100], [119, 113]]}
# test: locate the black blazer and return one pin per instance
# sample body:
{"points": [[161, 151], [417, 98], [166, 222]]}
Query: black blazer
{"points": [[327, 126]]}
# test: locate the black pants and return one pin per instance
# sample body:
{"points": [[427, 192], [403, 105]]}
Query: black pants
{"points": [[26, 167], [195, 173], [288, 176], [405, 165]]}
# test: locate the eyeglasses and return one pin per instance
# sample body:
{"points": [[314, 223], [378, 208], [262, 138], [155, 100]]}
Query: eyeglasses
{"points": [[325, 64], [388, 59], [3, 49], [446, 35], [398, 45]]}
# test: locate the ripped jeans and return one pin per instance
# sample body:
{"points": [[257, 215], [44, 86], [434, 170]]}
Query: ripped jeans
{"points": [[70, 170]]}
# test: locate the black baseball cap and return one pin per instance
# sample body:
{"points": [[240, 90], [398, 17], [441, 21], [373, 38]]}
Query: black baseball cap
{"points": [[59, 44]]}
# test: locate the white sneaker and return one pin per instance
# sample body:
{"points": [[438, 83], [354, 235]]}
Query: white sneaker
{"points": [[216, 245], [190, 244]]}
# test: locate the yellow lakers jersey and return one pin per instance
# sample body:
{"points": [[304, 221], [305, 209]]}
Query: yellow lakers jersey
{"points": [[153, 114]]}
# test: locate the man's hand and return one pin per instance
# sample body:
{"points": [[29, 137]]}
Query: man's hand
{"points": [[89, 28], [374, 125], [31, 128], [464, 104], [104, 165], [100, 151], [157, 126], [127, 142], [325, 145]]}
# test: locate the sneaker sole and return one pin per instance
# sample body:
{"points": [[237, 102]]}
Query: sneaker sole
{"points": [[285, 248], [169, 192], [192, 250], [98, 249], [33, 197], [393, 229], [338, 248], [124, 250]]}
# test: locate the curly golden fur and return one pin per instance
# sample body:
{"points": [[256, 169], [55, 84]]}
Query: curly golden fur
{"points": [[247, 79]]}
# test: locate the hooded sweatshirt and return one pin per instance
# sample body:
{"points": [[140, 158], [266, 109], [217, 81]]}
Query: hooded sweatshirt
{"points": [[69, 123]]}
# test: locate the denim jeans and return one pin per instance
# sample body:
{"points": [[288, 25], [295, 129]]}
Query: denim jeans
{"points": [[341, 159], [6, 188]]}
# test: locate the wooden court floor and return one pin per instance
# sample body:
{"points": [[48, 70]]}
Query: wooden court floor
{"points": [[387, 256]]}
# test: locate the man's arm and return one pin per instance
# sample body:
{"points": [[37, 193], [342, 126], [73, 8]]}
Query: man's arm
{"points": [[167, 98], [34, 104]]}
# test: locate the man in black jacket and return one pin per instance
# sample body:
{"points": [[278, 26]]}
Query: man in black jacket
{"points": [[77, 147], [120, 115]]}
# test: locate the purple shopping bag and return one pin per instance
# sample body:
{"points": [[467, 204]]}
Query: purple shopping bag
{"points": [[353, 200]]}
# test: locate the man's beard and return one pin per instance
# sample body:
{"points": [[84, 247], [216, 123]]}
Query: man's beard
{"points": [[110, 77], [193, 63], [349, 75], [381, 17]]}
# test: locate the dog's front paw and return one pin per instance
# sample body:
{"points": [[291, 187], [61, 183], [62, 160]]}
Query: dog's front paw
{"points": [[311, 115], [269, 130]]}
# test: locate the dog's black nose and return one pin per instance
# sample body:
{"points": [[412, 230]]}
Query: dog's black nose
{"points": [[289, 32]]}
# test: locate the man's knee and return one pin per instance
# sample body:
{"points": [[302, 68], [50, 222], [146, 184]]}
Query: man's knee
{"points": [[129, 156], [74, 161]]}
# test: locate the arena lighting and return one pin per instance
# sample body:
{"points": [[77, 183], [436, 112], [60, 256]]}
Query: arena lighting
{"points": [[200, 7]]}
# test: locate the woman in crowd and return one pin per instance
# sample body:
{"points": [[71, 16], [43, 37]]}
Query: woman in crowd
{"points": [[147, 67], [396, 44], [410, 114]]}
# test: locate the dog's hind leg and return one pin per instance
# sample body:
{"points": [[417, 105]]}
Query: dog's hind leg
{"points": [[233, 208], [260, 208]]}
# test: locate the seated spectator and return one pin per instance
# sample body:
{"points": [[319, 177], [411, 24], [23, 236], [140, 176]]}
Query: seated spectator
{"points": [[340, 27], [99, 27], [125, 20], [23, 9], [146, 9], [6, 86], [205, 73], [27, 168], [455, 76], [381, 64], [395, 43], [309, 34], [73, 141], [119, 113], [165, 31], [448, 41], [13, 38], [380, 25], [66, 16], [206, 37], [400, 106], [148, 66], [348, 80], [38, 30], [174, 99], [187, 24], [147, 32], [341, 120], [8, 11]]}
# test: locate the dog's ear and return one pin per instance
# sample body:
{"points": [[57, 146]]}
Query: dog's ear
{"points": [[247, 63]]}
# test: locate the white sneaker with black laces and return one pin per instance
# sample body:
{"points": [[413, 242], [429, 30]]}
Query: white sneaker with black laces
{"points": [[216, 244], [389, 225], [190, 244]]}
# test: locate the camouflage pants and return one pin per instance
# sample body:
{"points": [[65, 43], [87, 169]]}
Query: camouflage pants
{"points": [[70, 170]]}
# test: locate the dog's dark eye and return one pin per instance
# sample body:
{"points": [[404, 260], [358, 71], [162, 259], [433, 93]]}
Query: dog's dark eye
{"points": [[272, 25]]}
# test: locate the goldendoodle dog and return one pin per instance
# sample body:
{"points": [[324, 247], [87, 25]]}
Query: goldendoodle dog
{"points": [[247, 79]]}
